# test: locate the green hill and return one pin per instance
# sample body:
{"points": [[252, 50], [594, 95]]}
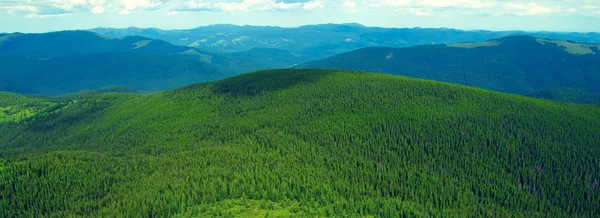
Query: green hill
{"points": [[517, 64], [15, 107], [292, 143]]}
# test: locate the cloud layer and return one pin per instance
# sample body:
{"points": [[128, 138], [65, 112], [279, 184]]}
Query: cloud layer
{"points": [[486, 7], [53, 8], [50, 8], [249, 5]]}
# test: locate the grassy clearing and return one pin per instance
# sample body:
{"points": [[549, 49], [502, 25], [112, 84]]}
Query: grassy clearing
{"points": [[572, 47], [475, 44]]}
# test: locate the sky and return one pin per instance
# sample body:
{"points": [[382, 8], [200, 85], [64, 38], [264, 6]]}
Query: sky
{"points": [[529, 15]]}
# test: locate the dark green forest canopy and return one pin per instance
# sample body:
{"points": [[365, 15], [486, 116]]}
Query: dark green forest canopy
{"points": [[305, 143]]}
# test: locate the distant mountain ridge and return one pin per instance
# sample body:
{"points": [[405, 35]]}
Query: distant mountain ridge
{"points": [[320, 41], [518, 64], [69, 61], [73, 73], [63, 62], [76, 42]]}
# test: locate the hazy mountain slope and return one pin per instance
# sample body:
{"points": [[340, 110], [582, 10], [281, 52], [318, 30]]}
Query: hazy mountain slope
{"points": [[320, 41], [270, 57], [305, 143], [75, 42], [68, 74], [70, 61], [569, 95], [517, 64]]}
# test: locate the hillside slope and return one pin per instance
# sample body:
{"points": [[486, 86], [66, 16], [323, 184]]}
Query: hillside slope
{"points": [[295, 143], [72, 73], [517, 64], [15, 107], [55, 44]]}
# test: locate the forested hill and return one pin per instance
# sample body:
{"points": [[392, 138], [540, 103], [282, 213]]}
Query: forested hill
{"points": [[517, 64], [291, 143]]}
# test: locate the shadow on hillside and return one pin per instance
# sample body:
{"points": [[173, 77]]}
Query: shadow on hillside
{"points": [[253, 84]]}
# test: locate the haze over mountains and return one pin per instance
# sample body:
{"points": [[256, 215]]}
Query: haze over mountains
{"points": [[320, 41], [70, 61], [55, 44]]}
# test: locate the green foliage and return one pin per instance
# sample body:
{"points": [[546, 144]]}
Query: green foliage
{"points": [[15, 107], [254, 84], [9, 99], [305, 143]]}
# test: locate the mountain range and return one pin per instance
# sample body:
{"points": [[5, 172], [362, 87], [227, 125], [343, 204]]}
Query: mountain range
{"points": [[555, 69], [70, 61], [362, 122], [324, 40]]}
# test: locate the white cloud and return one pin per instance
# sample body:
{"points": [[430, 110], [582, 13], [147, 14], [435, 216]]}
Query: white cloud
{"points": [[421, 12], [350, 6], [20, 8], [530, 9], [98, 10], [472, 7], [97, 2], [390, 3], [43, 16], [128, 6], [313, 5], [54, 8], [474, 4], [249, 5], [408, 7]]}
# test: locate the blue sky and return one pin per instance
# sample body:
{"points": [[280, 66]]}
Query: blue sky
{"points": [[52, 15]]}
